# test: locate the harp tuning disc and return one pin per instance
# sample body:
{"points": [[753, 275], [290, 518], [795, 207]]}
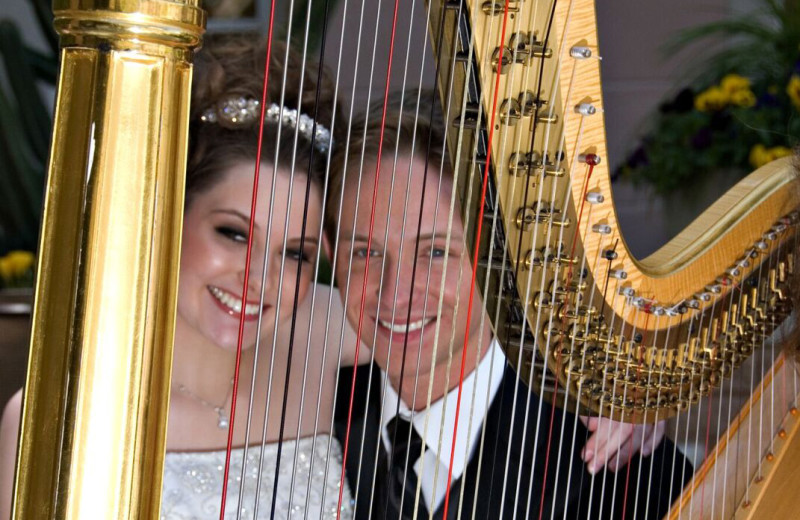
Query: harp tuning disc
{"points": [[619, 274], [507, 59], [585, 109], [529, 102], [510, 112], [580, 52], [469, 118], [498, 8], [525, 218]]}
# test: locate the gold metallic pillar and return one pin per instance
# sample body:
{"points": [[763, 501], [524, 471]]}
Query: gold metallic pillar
{"points": [[97, 395]]}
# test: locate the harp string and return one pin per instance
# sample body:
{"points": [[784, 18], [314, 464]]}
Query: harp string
{"points": [[336, 241], [479, 223], [448, 237], [330, 294], [369, 247], [300, 267], [440, 36], [526, 300], [246, 280], [383, 266], [280, 282]]}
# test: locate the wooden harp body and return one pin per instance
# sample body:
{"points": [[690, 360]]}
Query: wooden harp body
{"points": [[578, 316]]}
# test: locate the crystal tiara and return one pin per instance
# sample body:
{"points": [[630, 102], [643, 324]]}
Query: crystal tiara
{"points": [[240, 111]]}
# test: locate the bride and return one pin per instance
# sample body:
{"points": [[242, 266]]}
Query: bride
{"points": [[224, 135]]}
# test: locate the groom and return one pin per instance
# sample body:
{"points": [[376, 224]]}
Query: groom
{"points": [[405, 457]]}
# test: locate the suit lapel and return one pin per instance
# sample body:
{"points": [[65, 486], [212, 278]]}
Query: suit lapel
{"points": [[363, 442]]}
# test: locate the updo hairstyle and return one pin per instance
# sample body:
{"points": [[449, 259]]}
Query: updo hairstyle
{"points": [[233, 66]]}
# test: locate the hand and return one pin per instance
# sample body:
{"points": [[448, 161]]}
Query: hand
{"points": [[612, 443]]}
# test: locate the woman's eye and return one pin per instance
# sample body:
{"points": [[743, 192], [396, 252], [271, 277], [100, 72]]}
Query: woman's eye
{"points": [[232, 234], [298, 255]]}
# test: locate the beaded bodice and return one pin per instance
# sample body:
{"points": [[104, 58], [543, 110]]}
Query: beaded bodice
{"points": [[193, 482]]}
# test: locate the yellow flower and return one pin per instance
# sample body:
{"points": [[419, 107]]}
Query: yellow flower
{"points": [[743, 98], [761, 155], [711, 100], [15, 264], [776, 152], [734, 83], [758, 156], [793, 89]]}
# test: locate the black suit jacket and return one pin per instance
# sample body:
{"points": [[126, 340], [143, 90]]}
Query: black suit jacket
{"points": [[568, 491]]}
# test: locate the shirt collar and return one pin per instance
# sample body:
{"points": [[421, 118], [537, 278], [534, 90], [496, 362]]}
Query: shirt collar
{"points": [[478, 391]]}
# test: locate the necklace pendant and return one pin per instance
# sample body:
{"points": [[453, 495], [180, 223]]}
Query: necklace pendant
{"points": [[222, 422]]}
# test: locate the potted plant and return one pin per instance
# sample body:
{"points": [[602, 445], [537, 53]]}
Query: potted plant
{"points": [[741, 111]]}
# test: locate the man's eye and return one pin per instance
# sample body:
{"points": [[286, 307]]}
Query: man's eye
{"points": [[364, 253], [438, 252], [232, 234]]}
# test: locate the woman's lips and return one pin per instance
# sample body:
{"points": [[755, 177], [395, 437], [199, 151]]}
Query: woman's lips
{"points": [[232, 304]]}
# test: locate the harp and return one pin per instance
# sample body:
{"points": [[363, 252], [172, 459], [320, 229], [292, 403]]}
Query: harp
{"points": [[581, 319]]}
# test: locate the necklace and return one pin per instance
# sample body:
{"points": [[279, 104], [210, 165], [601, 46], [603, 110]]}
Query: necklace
{"points": [[222, 417]]}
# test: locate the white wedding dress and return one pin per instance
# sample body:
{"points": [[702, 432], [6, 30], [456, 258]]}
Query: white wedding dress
{"points": [[193, 482]]}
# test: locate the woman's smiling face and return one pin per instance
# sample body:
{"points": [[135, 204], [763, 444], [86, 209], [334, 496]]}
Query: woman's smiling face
{"points": [[214, 249]]}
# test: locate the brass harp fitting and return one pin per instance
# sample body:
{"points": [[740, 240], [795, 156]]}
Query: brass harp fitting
{"points": [[97, 395]]}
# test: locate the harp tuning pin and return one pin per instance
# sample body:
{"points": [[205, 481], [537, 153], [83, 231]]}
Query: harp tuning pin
{"points": [[770, 235], [703, 296], [594, 197], [526, 46], [744, 262], [592, 159], [692, 303], [580, 52], [761, 245], [610, 254], [585, 109], [603, 229], [780, 227], [714, 289], [628, 292], [619, 274]]}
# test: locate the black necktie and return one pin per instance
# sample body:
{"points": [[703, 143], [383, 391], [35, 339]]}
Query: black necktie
{"points": [[406, 442]]}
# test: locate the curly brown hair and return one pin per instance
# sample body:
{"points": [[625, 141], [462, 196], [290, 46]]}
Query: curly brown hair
{"points": [[233, 65]]}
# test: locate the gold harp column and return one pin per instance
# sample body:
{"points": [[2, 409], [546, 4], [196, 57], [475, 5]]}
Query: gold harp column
{"points": [[97, 395]]}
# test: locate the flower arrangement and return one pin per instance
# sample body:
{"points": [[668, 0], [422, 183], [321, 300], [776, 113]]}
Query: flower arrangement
{"points": [[16, 269], [741, 112]]}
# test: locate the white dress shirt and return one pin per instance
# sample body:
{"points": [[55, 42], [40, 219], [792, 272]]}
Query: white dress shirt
{"points": [[432, 466]]}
